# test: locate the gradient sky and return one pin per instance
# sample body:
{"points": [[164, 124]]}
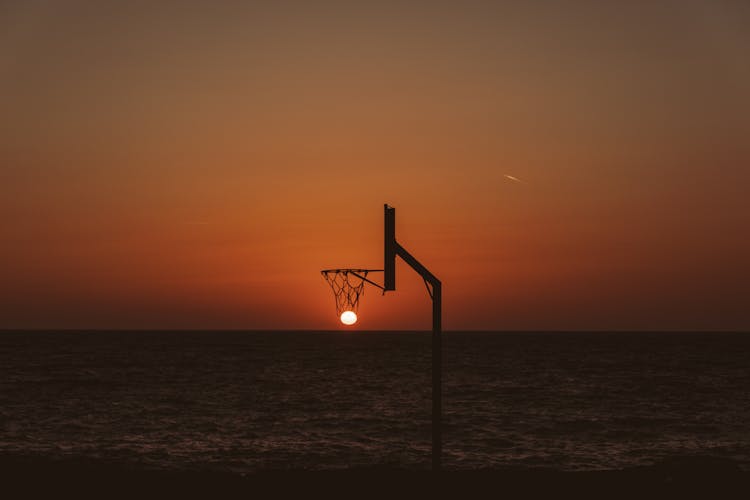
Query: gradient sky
{"points": [[195, 164]]}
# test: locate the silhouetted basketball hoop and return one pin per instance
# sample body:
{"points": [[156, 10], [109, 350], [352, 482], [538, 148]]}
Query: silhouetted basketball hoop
{"points": [[348, 285]]}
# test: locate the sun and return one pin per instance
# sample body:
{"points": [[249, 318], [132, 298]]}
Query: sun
{"points": [[348, 317]]}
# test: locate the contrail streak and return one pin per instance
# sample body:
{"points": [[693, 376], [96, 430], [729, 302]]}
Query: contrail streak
{"points": [[514, 179]]}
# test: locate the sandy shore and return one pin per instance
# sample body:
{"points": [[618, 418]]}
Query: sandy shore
{"points": [[37, 475]]}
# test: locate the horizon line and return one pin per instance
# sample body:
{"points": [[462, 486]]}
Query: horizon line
{"points": [[315, 330]]}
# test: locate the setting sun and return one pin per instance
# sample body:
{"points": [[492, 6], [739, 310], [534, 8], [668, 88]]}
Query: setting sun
{"points": [[348, 317]]}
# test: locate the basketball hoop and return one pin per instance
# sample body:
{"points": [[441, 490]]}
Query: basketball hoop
{"points": [[348, 286]]}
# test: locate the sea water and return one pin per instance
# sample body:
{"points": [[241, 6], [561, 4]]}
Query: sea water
{"points": [[252, 401]]}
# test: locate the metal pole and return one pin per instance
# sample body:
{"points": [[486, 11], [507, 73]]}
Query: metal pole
{"points": [[437, 377], [437, 339]]}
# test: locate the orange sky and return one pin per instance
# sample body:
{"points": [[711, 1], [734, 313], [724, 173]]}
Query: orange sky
{"points": [[195, 164]]}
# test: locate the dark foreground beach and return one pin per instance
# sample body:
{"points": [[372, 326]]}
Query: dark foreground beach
{"points": [[707, 477]]}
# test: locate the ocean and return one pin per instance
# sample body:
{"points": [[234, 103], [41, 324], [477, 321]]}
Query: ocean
{"points": [[245, 402]]}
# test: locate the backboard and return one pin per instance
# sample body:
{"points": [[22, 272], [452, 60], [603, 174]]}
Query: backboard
{"points": [[389, 250]]}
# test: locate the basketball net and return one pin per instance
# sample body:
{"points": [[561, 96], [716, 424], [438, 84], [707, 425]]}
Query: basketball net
{"points": [[348, 286]]}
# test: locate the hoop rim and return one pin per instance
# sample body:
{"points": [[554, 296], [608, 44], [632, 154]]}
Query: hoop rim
{"points": [[359, 273], [354, 270]]}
